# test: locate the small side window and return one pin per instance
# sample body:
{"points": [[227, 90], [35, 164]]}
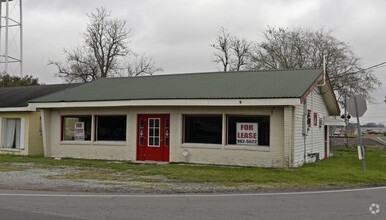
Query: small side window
{"points": [[309, 118], [315, 119]]}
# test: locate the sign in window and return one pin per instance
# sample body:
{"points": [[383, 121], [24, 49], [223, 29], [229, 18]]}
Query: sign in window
{"points": [[246, 133]]}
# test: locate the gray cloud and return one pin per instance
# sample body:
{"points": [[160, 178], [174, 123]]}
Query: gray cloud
{"points": [[177, 33]]}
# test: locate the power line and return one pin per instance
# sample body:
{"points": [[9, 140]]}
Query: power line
{"points": [[379, 65]]}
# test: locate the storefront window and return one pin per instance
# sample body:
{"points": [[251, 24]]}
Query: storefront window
{"points": [[76, 128], [203, 129], [111, 128], [248, 130]]}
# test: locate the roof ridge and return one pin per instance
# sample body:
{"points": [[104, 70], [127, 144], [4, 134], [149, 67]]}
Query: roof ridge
{"points": [[207, 72]]}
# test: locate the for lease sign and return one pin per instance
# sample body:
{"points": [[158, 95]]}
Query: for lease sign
{"points": [[79, 131], [246, 133]]}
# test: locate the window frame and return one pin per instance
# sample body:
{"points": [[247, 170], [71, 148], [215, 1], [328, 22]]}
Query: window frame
{"points": [[62, 129], [94, 124], [155, 136], [202, 115], [3, 122], [309, 119], [248, 116], [316, 119]]}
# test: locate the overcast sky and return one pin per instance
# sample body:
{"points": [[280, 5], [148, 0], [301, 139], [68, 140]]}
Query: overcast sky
{"points": [[177, 33]]}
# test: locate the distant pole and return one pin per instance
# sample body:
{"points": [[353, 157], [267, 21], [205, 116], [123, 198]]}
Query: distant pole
{"points": [[360, 137], [11, 48], [345, 121], [21, 39], [6, 35]]}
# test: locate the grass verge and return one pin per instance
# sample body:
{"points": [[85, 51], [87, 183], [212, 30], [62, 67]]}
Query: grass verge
{"points": [[343, 169]]}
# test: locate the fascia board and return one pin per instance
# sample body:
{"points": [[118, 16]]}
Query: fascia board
{"points": [[180, 102]]}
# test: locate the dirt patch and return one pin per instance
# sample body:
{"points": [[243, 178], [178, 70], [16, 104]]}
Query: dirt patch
{"points": [[29, 178]]}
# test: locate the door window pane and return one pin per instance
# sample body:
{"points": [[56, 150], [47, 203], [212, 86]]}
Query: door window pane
{"points": [[154, 132], [166, 132], [203, 129], [141, 131]]}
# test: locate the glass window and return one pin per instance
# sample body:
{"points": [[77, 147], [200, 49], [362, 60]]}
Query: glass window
{"points": [[166, 132], [141, 131], [76, 128], [154, 132], [11, 133], [248, 130], [203, 129], [315, 119], [111, 128]]}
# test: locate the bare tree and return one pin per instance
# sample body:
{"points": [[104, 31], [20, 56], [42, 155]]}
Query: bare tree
{"points": [[105, 42], [223, 46], [80, 66], [241, 50], [305, 48], [142, 65], [231, 51]]}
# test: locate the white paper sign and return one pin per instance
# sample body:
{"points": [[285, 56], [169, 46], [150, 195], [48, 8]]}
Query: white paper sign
{"points": [[79, 131], [246, 133]]}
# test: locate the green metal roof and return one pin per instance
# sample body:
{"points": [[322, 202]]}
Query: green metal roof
{"points": [[19, 96], [216, 85]]}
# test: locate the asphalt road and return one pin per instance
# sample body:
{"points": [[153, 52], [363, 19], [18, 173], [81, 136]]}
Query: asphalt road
{"points": [[340, 204]]}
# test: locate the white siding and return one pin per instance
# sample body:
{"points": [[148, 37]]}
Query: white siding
{"points": [[313, 142]]}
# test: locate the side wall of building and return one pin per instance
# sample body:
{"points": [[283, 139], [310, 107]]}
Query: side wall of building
{"points": [[314, 141], [264, 156]]}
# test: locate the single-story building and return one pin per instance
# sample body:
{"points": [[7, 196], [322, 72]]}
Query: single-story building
{"points": [[248, 118], [20, 130]]}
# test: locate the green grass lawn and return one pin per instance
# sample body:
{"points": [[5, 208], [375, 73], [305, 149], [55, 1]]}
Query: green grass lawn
{"points": [[343, 169]]}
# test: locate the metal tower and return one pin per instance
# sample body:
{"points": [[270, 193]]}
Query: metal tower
{"points": [[11, 37]]}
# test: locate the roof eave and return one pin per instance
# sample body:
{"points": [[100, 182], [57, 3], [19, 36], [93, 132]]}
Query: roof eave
{"points": [[172, 102], [327, 93], [18, 109]]}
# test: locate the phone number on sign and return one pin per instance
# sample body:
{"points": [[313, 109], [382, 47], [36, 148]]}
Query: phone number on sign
{"points": [[247, 141]]}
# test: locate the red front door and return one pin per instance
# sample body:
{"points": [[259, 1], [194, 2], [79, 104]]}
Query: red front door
{"points": [[153, 137]]}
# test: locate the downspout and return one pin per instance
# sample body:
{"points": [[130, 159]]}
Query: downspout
{"points": [[324, 71]]}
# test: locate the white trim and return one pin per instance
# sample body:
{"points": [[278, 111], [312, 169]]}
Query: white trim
{"points": [[110, 143], [173, 102], [22, 133], [201, 146], [18, 109], [329, 121], [69, 142], [159, 132], [246, 147], [10, 149]]}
